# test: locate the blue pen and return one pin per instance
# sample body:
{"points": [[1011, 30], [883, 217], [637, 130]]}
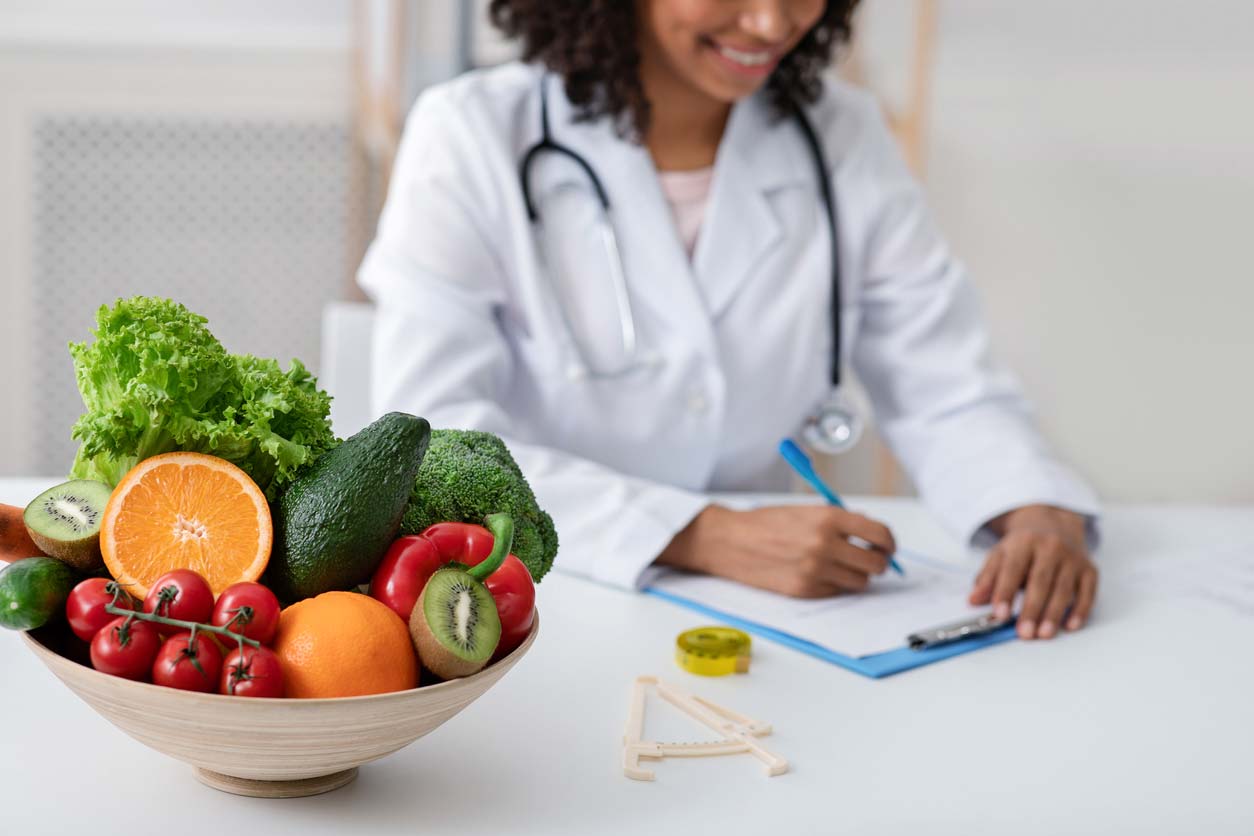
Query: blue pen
{"points": [[800, 462]]}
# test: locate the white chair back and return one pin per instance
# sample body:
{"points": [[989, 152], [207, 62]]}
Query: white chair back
{"points": [[345, 367]]}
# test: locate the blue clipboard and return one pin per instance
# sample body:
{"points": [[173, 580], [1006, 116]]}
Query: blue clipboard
{"points": [[876, 666]]}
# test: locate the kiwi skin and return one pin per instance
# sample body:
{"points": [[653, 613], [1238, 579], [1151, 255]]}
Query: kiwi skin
{"points": [[434, 655], [82, 554]]}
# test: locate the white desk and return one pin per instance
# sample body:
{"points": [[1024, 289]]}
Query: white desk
{"points": [[1142, 723]]}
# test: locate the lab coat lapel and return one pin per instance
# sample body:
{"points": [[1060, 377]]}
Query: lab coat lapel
{"points": [[759, 154]]}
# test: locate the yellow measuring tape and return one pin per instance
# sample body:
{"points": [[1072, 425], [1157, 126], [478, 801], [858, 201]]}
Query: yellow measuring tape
{"points": [[713, 651]]}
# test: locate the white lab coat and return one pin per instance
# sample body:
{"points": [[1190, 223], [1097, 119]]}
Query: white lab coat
{"points": [[468, 334]]}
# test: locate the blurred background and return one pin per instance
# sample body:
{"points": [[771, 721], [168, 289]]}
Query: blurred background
{"points": [[1090, 162]]}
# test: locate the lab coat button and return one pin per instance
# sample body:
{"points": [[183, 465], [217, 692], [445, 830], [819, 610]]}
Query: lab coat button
{"points": [[698, 403]]}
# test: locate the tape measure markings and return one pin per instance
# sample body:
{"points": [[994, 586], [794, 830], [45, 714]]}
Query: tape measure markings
{"points": [[713, 651]]}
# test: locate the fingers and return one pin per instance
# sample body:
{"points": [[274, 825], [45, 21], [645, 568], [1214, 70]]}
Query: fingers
{"points": [[815, 577], [1084, 600], [856, 525], [805, 552], [982, 590], [844, 578], [1065, 588], [1046, 560], [837, 525], [823, 569], [1013, 571], [1051, 576], [863, 561], [802, 589]]}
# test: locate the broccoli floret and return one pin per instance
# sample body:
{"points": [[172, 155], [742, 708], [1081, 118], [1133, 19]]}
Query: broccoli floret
{"points": [[467, 475]]}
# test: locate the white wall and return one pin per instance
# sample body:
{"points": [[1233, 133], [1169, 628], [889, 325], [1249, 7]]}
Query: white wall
{"points": [[242, 23], [144, 67], [1093, 163]]}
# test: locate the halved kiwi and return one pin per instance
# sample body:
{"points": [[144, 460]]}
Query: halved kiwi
{"points": [[455, 625], [65, 522]]}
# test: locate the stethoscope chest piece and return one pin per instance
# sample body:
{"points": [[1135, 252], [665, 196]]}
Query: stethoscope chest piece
{"points": [[835, 428]]}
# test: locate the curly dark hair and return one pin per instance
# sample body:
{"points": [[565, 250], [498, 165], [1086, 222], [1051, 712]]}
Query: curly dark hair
{"points": [[592, 45]]}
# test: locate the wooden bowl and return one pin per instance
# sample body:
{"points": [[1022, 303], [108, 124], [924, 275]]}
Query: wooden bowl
{"points": [[270, 748]]}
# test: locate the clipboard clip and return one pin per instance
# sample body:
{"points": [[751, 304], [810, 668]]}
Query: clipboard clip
{"points": [[956, 631]]}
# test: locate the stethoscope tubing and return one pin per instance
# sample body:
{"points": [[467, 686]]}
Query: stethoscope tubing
{"points": [[547, 144]]}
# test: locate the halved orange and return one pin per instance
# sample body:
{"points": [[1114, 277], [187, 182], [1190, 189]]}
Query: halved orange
{"points": [[186, 511]]}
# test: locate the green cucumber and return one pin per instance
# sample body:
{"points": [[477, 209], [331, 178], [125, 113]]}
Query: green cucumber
{"points": [[32, 591]]}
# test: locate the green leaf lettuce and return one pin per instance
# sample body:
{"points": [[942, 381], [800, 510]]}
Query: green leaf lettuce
{"points": [[156, 380]]}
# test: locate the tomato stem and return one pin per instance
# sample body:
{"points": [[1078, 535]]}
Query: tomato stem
{"points": [[165, 598], [174, 622], [241, 671], [190, 653], [242, 616]]}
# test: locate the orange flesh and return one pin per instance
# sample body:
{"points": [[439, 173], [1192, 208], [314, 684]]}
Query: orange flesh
{"points": [[186, 511]]}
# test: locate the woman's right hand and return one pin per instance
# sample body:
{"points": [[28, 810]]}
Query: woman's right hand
{"points": [[798, 550]]}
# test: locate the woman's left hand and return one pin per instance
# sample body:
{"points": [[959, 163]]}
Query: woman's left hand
{"points": [[1043, 552]]}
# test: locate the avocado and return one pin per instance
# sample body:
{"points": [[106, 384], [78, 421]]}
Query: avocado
{"points": [[334, 523]]}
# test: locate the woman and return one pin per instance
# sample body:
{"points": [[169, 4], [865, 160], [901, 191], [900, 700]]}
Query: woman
{"points": [[687, 112]]}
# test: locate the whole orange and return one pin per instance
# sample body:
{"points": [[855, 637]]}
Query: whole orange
{"points": [[344, 644]]}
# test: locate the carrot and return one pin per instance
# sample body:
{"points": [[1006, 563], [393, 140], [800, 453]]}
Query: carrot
{"points": [[15, 543]]}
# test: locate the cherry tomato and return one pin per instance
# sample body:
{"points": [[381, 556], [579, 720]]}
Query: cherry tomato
{"points": [[181, 594], [254, 609], [125, 650], [411, 561], [251, 672], [85, 608], [180, 664]]}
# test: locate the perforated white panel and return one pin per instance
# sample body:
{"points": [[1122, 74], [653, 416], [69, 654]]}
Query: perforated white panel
{"points": [[246, 222]]}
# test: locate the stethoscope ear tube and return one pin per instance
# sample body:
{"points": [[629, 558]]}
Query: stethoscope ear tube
{"points": [[547, 143]]}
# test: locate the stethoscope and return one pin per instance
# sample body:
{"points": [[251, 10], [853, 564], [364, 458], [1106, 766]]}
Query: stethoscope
{"points": [[837, 425]]}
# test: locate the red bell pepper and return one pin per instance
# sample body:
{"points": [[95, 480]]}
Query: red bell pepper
{"points": [[412, 560]]}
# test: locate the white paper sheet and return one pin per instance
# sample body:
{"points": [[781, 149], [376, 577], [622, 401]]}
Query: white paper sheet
{"points": [[932, 593], [1222, 575]]}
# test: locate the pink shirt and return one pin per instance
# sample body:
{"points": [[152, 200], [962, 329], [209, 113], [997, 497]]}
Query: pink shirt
{"points": [[687, 192]]}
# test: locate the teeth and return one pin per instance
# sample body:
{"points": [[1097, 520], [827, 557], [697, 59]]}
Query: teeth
{"points": [[749, 59]]}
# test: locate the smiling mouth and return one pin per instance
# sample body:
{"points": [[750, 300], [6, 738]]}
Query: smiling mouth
{"points": [[755, 58]]}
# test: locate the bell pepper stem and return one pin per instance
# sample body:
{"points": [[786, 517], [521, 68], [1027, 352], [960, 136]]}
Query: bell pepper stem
{"points": [[502, 528]]}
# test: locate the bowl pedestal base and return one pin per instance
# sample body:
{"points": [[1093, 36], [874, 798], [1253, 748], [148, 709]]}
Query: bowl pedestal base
{"points": [[275, 789]]}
